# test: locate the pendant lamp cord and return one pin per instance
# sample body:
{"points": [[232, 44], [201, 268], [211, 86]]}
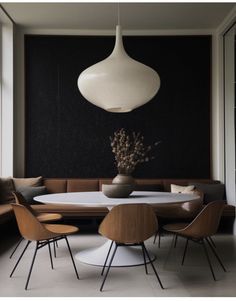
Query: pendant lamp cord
{"points": [[118, 14]]}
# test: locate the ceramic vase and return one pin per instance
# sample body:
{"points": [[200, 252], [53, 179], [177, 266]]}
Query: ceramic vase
{"points": [[124, 179]]}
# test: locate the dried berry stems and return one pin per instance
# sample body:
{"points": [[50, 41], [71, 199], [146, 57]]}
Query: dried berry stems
{"points": [[130, 150]]}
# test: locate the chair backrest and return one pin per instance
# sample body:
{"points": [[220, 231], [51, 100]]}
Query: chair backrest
{"points": [[187, 209], [192, 208], [29, 226], [20, 200], [129, 223], [206, 223]]}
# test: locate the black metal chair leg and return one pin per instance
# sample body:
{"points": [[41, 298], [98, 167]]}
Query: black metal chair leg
{"points": [[144, 258], [19, 259], [107, 257], [176, 237], [155, 237], [108, 269], [169, 251], [54, 248], [56, 243], [19, 242], [31, 267], [158, 233], [152, 266], [159, 240], [50, 254], [208, 259], [212, 242], [71, 257], [185, 250], [216, 255]]}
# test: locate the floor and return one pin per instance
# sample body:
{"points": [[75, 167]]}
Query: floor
{"points": [[191, 280]]}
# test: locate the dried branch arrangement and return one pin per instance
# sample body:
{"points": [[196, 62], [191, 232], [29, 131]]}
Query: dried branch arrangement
{"points": [[130, 150]]}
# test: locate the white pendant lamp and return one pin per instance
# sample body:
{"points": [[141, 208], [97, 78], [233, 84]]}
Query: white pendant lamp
{"points": [[119, 84]]}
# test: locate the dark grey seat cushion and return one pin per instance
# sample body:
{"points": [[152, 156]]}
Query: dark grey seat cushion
{"points": [[212, 192], [29, 193]]}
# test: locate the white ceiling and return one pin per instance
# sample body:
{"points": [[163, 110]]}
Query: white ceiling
{"points": [[104, 15]]}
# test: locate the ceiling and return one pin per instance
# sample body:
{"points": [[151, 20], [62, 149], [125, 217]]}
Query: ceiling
{"points": [[103, 16]]}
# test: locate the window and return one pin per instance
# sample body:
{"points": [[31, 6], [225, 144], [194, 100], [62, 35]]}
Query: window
{"points": [[229, 107], [6, 96]]}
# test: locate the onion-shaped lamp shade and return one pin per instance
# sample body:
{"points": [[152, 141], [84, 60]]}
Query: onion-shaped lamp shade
{"points": [[119, 83]]}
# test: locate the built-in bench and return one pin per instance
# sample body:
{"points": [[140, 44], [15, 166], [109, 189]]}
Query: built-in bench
{"points": [[81, 185]]}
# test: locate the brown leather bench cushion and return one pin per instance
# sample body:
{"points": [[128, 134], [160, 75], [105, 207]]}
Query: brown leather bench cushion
{"points": [[71, 185], [164, 210], [80, 185], [55, 185], [71, 210]]}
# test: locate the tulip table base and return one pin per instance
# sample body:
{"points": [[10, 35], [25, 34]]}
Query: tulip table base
{"points": [[125, 256]]}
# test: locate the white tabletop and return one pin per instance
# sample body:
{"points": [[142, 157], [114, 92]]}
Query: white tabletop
{"points": [[98, 199]]}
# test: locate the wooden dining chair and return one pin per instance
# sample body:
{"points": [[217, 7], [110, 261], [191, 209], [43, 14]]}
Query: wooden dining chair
{"points": [[129, 225], [42, 217], [43, 234], [201, 229], [185, 210]]}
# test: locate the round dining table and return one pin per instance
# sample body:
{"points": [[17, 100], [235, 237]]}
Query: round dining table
{"points": [[125, 256]]}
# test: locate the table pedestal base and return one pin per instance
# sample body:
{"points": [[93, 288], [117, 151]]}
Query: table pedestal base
{"points": [[125, 256]]}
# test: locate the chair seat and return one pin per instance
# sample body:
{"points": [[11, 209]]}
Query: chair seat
{"points": [[175, 227], [61, 229], [48, 217]]}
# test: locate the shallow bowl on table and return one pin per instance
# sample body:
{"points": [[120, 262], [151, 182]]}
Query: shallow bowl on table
{"points": [[117, 190]]}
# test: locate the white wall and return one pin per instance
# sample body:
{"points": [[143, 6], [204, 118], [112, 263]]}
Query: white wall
{"points": [[229, 115], [217, 109]]}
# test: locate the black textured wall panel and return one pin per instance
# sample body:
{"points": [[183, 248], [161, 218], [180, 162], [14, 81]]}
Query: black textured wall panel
{"points": [[66, 136]]}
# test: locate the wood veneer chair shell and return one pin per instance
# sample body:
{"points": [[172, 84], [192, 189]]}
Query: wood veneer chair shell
{"points": [[43, 234], [42, 217], [205, 223], [186, 210], [129, 224], [31, 229], [201, 229]]}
